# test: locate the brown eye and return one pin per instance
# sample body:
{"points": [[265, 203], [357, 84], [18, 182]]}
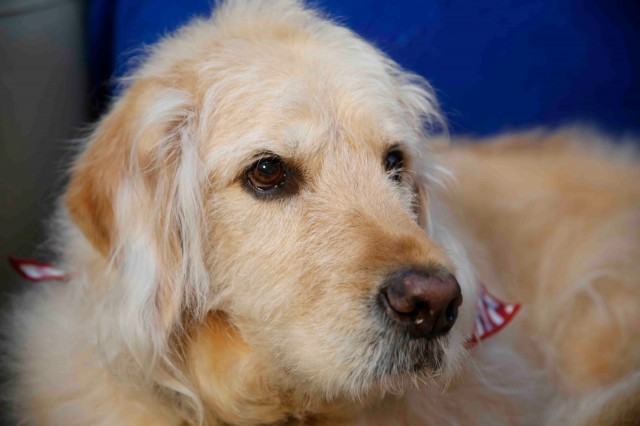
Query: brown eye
{"points": [[267, 174], [394, 163]]}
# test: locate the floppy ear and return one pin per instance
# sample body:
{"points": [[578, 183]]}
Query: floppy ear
{"points": [[135, 193]]}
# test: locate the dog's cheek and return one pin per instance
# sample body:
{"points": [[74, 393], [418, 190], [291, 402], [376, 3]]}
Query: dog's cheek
{"points": [[278, 286], [254, 260]]}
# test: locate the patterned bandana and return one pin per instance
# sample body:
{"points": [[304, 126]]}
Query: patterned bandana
{"points": [[37, 271], [493, 314]]}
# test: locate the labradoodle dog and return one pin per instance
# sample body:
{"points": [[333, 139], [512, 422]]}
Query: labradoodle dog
{"points": [[263, 229]]}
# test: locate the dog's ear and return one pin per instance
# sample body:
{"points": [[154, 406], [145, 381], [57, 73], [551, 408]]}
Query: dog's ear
{"points": [[135, 193], [95, 177]]}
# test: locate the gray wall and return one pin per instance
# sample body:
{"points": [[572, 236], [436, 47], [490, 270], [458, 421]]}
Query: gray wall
{"points": [[43, 92]]}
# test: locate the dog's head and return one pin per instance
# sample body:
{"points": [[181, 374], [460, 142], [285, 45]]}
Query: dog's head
{"points": [[272, 168]]}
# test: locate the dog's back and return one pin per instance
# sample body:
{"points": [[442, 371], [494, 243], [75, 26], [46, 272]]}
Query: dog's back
{"points": [[558, 215]]}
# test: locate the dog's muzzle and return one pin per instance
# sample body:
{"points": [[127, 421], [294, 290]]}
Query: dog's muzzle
{"points": [[424, 304]]}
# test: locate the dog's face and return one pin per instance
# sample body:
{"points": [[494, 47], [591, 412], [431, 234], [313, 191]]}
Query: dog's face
{"points": [[300, 264], [316, 213], [278, 177]]}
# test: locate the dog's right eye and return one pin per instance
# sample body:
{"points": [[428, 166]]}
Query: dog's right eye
{"points": [[267, 174], [394, 163]]}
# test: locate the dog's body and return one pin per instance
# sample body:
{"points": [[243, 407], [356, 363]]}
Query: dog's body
{"points": [[235, 227]]}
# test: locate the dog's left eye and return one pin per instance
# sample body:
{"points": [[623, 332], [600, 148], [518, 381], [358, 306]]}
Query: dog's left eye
{"points": [[394, 163], [267, 174]]}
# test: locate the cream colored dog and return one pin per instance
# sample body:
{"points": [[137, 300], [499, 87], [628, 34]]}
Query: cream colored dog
{"points": [[261, 230]]}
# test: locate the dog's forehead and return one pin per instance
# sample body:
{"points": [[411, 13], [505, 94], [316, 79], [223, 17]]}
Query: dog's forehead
{"points": [[304, 138], [302, 103]]}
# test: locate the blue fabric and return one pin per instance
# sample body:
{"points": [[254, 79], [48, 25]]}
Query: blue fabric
{"points": [[495, 64]]}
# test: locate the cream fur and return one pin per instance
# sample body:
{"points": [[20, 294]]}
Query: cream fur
{"points": [[193, 301]]}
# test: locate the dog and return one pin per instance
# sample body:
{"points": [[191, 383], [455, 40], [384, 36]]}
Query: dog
{"points": [[268, 227]]}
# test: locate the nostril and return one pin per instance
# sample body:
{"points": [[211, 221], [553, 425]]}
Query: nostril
{"points": [[408, 312], [421, 309], [451, 314], [419, 314]]}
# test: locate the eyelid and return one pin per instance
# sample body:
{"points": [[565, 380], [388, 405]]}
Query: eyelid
{"points": [[261, 155], [394, 147], [399, 147], [255, 159]]}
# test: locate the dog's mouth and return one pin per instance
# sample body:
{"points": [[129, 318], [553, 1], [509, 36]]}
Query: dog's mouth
{"points": [[403, 354]]}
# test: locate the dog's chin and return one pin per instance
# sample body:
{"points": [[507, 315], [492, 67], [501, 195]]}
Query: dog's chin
{"points": [[371, 357], [392, 363], [407, 361]]}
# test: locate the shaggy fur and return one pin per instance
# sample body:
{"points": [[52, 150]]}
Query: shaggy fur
{"points": [[195, 300]]}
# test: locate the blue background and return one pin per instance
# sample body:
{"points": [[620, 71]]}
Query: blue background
{"points": [[496, 64]]}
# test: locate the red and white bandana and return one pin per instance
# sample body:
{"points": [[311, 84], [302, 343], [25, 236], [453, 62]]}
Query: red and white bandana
{"points": [[37, 271], [492, 315]]}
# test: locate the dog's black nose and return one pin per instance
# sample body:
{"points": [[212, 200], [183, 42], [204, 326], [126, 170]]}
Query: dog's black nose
{"points": [[424, 303]]}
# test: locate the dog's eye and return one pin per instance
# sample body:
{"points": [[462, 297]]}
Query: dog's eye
{"points": [[393, 164], [267, 174]]}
